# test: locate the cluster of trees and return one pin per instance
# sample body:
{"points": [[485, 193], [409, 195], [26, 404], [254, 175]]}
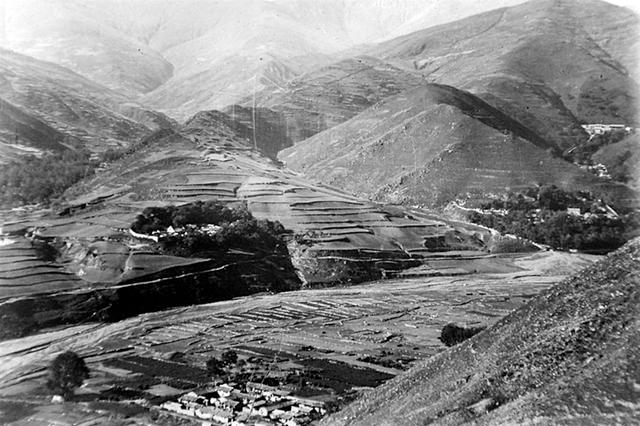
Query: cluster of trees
{"points": [[540, 215], [238, 229], [41, 180], [65, 373], [218, 366]]}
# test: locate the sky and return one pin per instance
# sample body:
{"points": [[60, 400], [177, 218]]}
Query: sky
{"points": [[631, 4]]}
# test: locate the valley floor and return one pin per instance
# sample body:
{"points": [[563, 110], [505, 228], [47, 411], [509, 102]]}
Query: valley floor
{"points": [[369, 332]]}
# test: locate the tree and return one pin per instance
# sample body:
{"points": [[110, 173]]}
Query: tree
{"points": [[67, 372], [229, 357], [453, 334], [215, 367]]}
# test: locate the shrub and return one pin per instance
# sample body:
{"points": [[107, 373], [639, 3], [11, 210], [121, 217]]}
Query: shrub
{"points": [[229, 357], [67, 372], [453, 334], [215, 367], [503, 244]]}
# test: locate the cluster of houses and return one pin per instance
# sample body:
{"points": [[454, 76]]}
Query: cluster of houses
{"points": [[257, 404], [599, 170], [601, 129], [209, 229]]}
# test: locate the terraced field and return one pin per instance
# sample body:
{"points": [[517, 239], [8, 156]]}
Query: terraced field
{"points": [[334, 238], [23, 272]]}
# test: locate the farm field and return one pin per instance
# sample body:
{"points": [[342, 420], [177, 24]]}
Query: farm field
{"points": [[81, 262], [368, 332]]}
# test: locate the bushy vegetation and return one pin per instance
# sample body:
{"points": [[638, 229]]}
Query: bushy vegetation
{"points": [[237, 229], [541, 215], [504, 244], [67, 372], [42, 180], [453, 334], [219, 366], [32, 180]]}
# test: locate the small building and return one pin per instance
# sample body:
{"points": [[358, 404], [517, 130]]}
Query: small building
{"points": [[224, 390], [266, 410], [297, 421], [573, 211], [206, 412], [253, 407], [309, 402], [242, 396], [223, 417], [302, 409], [260, 387]]}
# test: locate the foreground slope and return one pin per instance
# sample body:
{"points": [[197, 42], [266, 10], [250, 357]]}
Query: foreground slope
{"points": [[351, 337], [569, 356], [434, 144]]}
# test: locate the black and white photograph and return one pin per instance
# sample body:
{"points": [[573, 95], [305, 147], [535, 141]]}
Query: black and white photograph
{"points": [[319, 212]]}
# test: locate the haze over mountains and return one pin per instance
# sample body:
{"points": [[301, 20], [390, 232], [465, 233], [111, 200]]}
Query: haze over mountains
{"points": [[192, 55]]}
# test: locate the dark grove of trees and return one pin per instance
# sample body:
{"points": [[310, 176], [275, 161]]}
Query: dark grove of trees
{"points": [[66, 372], [32, 180], [216, 367], [238, 229], [540, 215]]}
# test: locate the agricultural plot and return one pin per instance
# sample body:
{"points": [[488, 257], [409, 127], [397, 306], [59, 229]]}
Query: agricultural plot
{"points": [[25, 271], [338, 339]]}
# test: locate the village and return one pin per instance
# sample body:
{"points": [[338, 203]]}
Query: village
{"points": [[249, 404], [601, 129]]}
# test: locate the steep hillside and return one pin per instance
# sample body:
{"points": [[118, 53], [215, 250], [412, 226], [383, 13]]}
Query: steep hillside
{"points": [[622, 160], [569, 356], [332, 94], [72, 105], [23, 134], [431, 145], [333, 237], [550, 63]]}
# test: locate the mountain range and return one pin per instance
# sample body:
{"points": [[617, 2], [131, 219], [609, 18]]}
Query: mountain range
{"points": [[310, 76], [173, 52], [359, 126]]}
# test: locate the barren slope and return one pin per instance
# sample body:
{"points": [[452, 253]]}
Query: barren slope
{"points": [[23, 134], [72, 105], [569, 356], [431, 145], [549, 63], [332, 94]]}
